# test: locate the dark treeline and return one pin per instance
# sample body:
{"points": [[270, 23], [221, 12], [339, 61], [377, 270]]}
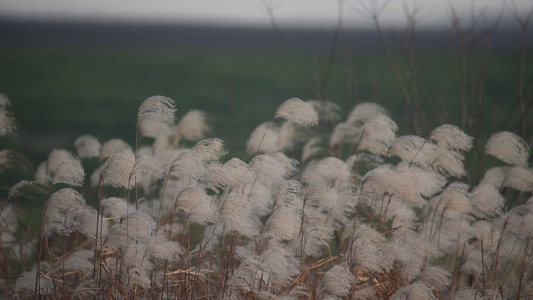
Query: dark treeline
{"points": [[180, 35]]}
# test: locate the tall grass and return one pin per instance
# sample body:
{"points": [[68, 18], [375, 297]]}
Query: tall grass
{"points": [[352, 211], [319, 207]]}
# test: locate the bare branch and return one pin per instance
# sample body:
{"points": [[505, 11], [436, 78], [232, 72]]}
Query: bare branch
{"points": [[270, 10]]}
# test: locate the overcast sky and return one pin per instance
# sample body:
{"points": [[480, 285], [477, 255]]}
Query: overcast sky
{"points": [[249, 12]]}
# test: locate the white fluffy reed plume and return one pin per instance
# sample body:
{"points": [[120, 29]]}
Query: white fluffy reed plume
{"points": [[67, 213], [486, 201], [114, 208], [118, 168], [337, 281], [8, 124], [429, 156], [65, 199], [117, 237], [448, 224], [345, 133], [378, 134], [283, 224], [87, 146], [145, 166], [29, 189], [388, 181], [219, 176], [297, 111], [509, 148], [109, 148], [368, 251], [137, 265], [362, 112], [273, 169], [322, 197], [484, 230], [407, 148], [188, 164], [55, 158], [244, 277], [193, 126], [264, 139], [448, 163], [328, 115], [451, 137], [202, 213], [214, 177], [519, 178], [279, 263], [476, 263], [455, 199], [210, 149], [157, 108], [188, 198], [519, 220], [327, 171], [262, 197], [288, 194], [154, 129], [237, 172], [139, 225], [161, 248], [83, 220], [41, 176], [427, 183], [327, 111], [69, 171], [235, 214], [316, 236]]}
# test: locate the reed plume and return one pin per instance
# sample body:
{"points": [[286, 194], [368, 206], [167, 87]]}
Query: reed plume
{"points": [[118, 168], [69, 171], [337, 281], [519, 178], [378, 134], [110, 147], [451, 137], [363, 112], [210, 149], [264, 139], [87, 146], [192, 126], [509, 148], [297, 111], [157, 108]]}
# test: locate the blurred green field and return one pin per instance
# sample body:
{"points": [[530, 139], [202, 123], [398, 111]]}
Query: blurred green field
{"points": [[60, 93]]}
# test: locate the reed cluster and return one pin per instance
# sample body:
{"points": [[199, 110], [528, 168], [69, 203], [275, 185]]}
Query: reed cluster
{"points": [[320, 208]]}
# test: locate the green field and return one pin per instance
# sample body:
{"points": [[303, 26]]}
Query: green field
{"points": [[60, 93]]}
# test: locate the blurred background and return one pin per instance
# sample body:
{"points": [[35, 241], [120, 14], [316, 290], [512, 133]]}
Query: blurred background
{"points": [[84, 67]]}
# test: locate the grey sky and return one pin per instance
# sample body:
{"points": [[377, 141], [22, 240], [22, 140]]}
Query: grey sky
{"points": [[249, 12]]}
